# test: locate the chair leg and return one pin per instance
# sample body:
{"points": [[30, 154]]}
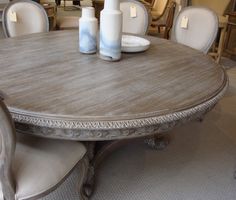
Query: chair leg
{"points": [[221, 45]]}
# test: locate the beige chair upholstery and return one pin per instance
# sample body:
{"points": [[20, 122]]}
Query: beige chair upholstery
{"points": [[166, 22], [30, 18], [139, 22], [158, 8], [31, 167], [201, 30]]}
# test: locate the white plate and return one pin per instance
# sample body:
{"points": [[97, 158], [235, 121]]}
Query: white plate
{"points": [[132, 43]]}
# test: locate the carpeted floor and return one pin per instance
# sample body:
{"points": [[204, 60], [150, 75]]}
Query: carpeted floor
{"points": [[199, 163]]}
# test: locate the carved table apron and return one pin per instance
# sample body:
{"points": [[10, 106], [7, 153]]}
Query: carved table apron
{"points": [[54, 91]]}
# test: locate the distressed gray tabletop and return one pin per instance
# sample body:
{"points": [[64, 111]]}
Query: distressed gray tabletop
{"points": [[54, 91]]}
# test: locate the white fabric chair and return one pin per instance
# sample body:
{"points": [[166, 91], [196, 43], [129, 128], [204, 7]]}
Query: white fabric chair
{"points": [[201, 30], [137, 23], [23, 17], [31, 167], [220, 7]]}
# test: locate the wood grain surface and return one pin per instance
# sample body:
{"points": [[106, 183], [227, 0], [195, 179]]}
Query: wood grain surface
{"points": [[44, 75]]}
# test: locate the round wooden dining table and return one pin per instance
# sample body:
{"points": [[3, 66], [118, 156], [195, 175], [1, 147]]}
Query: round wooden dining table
{"points": [[53, 91]]}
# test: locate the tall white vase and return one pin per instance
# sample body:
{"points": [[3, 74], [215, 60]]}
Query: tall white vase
{"points": [[88, 26], [111, 31]]}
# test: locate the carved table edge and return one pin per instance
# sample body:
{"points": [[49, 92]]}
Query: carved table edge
{"points": [[105, 130], [119, 124]]}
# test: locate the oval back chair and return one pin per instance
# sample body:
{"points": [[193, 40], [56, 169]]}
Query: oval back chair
{"points": [[136, 18], [21, 17], [31, 167], [201, 28]]}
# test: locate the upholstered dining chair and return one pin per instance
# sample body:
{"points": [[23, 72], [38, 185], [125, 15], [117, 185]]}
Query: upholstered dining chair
{"points": [[21, 17], [195, 27], [220, 8], [31, 167], [136, 18]]}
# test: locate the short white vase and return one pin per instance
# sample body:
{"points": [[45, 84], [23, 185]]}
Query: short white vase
{"points": [[88, 26], [111, 31]]}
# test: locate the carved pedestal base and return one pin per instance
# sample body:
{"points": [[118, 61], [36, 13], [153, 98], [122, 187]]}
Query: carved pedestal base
{"points": [[158, 142], [86, 187], [97, 151]]}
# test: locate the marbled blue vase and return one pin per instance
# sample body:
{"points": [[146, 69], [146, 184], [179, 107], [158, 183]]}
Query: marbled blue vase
{"points": [[88, 26], [110, 31]]}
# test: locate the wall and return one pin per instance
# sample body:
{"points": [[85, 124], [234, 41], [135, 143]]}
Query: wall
{"points": [[219, 6]]}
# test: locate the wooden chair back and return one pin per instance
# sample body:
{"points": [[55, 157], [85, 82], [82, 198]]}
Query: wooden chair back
{"points": [[169, 19], [159, 7]]}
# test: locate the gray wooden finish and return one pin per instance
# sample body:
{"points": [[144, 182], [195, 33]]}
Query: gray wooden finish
{"points": [[56, 92]]}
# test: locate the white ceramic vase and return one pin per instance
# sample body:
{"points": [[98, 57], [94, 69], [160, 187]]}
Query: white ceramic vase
{"points": [[88, 26], [111, 31]]}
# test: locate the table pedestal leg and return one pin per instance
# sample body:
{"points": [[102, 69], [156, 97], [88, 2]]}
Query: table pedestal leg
{"points": [[84, 190], [158, 142], [97, 151], [103, 149], [86, 187]]}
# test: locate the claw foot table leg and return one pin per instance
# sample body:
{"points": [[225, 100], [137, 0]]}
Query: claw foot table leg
{"points": [[158, 142]]}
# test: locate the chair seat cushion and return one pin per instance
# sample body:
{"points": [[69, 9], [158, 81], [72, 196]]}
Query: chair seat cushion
{"points": [[68, 22], [40, 164]]}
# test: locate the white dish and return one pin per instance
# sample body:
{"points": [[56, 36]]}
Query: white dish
{"points": [[132, 43]]}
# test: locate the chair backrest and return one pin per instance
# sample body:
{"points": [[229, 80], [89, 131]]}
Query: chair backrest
{"points": [[136, 18], [201, 30], [159, 6], [23, 17], [169, 19], [7, 150]]}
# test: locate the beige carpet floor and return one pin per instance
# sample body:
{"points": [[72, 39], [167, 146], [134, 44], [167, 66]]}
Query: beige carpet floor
{"points": [[198, 164]]}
